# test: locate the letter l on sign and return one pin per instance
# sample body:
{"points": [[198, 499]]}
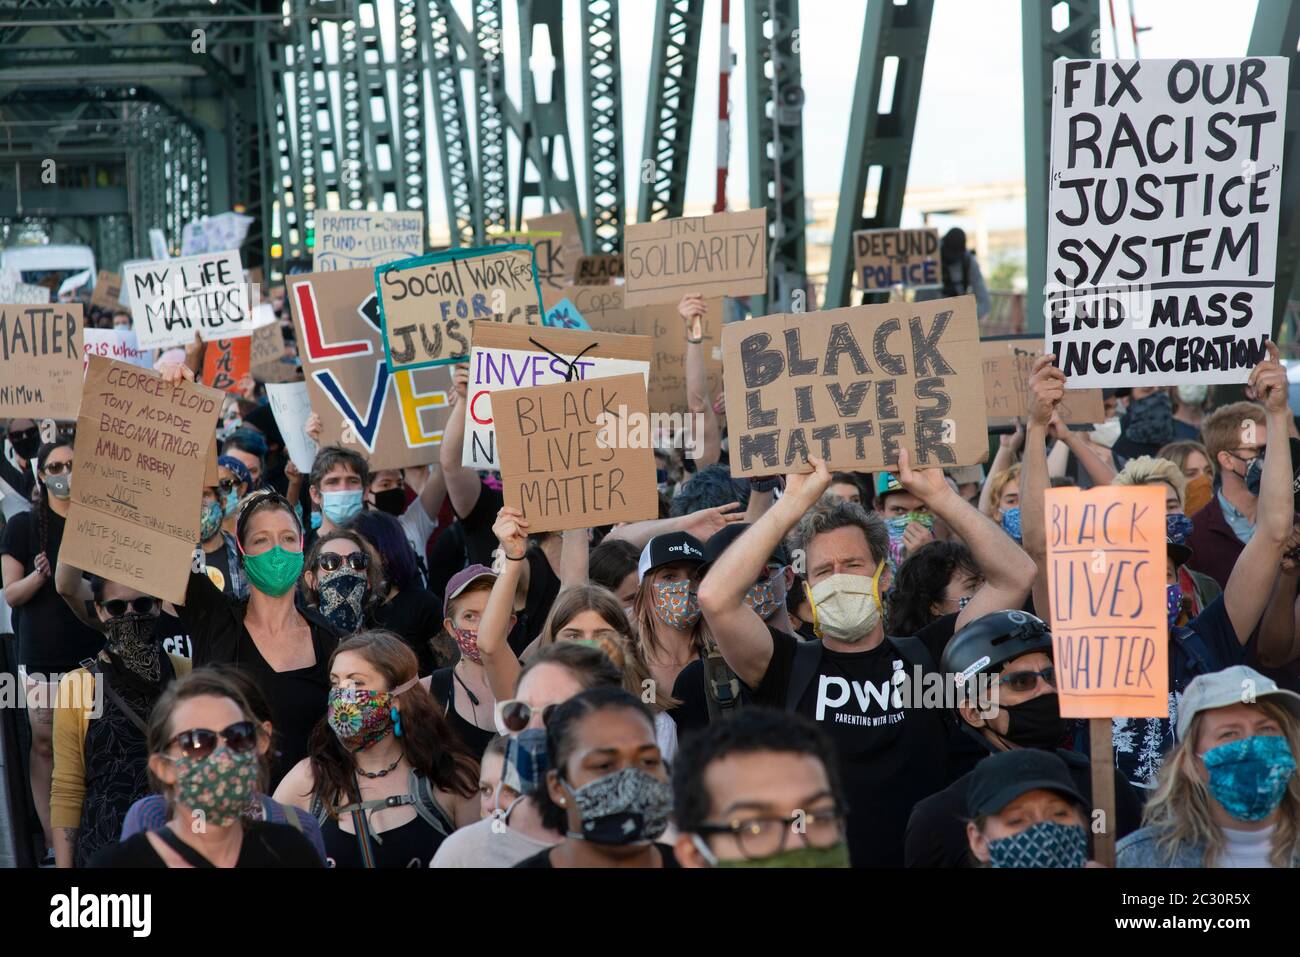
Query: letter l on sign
{"points": [[317, 349]]}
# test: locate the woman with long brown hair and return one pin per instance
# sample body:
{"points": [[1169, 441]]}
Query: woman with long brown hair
{"points": [[386, 775]]}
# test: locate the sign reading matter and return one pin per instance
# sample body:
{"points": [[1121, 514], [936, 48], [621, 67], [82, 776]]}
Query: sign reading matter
{"points": [[171, 299], [426, 304], [40, 361], [362, 239], [512, 357], [886, 258], [1106, 576], [720, 255], [855, 385], [577, 454], [1163, 211], [1008, 363], [139, 486]]}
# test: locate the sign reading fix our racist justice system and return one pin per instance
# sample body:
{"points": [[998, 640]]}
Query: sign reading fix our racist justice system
{"points": [[1106, 557], [426, 304], [394, 418], [885, 258], [512, 357], [720, 255], [855, 385], [136, 499], [171, 299], [40, 360], [1162, 218]]}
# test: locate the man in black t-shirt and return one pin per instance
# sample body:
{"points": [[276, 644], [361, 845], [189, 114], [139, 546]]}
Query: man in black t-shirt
{"points": [[852, 682]]}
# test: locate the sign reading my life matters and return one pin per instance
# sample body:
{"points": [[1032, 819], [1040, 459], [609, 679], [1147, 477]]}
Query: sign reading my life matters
{"points": [[577, 454], [1106, 558], [171, 299], [40, 360], [1162, 218], [138, 490], [855, 385], [426, 304], [720, 255]]}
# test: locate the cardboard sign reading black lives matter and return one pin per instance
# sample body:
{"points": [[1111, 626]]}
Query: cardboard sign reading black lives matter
{"points": [[855, 385], [720, 255], [1162, 226], [577, 454]]}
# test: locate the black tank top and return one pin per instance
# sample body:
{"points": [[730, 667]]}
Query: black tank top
{"points": [[412, 844], [442, 683]]}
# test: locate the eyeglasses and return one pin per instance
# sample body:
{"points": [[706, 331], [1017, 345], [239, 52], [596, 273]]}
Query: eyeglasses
{"points": [[513, 715], [57, 468], [332, 561], [227, 485], [144, 605], [1022, 681], [760, 837], [1257, 449], [200, 742], [961, 602]]}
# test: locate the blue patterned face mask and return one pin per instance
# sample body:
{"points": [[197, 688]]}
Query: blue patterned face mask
{"points": [[1173, 602], [1046, 844], [1177, 527], [1011, 523], [1249, 776]]}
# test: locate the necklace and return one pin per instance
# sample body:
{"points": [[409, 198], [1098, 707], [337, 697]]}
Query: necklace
{"points": [[473, 698], [381, 773]]}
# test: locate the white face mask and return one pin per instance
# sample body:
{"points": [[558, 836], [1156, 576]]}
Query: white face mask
{"points": [[845, 607], [1107, 433], [1192, 394]]}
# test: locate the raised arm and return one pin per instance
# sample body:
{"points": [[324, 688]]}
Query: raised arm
{"points": [[574, 553], [1251, 583], [1046, 390], [462, 484], [499, 661], [698, 402], [1100, 471], [701, 524], [434, 490], [1003, 460], [1277, 630], [741, 635]]}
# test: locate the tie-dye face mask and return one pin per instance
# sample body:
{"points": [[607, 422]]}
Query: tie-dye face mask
{"points": [[897, 525]]}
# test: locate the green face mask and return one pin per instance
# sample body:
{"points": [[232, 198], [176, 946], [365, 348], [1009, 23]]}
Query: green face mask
{"points": [[274, 571], [835, 856]]}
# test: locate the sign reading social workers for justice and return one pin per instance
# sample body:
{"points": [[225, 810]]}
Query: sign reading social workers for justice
{"points": [[1162, 218]]}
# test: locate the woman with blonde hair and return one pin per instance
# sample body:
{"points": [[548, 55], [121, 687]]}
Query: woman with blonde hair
{"points": [[1147, 470], [1192, 458], [1228, 794], [1002, 492]]}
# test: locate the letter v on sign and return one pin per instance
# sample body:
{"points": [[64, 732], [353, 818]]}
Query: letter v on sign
{"points": [[318, 350], [367, 429]]}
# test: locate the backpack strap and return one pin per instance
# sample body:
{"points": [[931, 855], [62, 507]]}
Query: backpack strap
{"points": [[807, 659], [1191, 644], [913, 651], [427, 806], [721, 686]]}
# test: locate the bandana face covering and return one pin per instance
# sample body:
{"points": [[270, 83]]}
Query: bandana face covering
{"points": [[130, 643], [210, 520], [1011, 523], [467, 642], [767, 597], [1178, 526], [361, 717], [1249, 776], [1046, 844], [676, 605], [342, 595], [219, 786], [630, 806], [1150, 421]]}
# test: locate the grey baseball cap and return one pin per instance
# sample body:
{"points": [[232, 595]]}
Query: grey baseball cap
{"points": [[1236, 685]]}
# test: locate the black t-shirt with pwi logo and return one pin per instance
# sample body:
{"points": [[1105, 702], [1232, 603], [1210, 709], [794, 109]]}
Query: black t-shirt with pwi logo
{"points": [[890, 756]]}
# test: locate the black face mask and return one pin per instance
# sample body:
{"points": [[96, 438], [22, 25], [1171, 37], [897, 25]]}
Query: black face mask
{"points": [[1036, 723], [26, 444], [392, 501]]}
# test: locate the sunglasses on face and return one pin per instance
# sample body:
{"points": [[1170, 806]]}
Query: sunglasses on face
{"points": [[332, 561], [198, 743], [227, 485], [57, 468], [118, 607], [1022, 681], [514, 715], [32, 433]]}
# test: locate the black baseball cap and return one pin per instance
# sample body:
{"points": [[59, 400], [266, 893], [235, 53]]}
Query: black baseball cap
{"points": [[721, 540], [669, 549], [1001, 778]]}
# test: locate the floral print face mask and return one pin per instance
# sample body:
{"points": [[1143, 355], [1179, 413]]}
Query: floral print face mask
{"points": [[676, 604], [767, 597], [218, 786], [359, 716]]}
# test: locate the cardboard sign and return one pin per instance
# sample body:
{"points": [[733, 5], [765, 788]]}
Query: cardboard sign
{"points": [[139, 486], [171, 299], [394, 418], [506, 357], [1007, 365], [565, 315], [13, 289], [108, 287], [855, 385], [604, 311], [1106, 575], [577, 454], [214, 234], [557, 257], [291, 406], [427, 304], [266, 351], [598, 270], [720, 255], [119, 344], [1166, 178], [226, 362], [363, 239], [40, 361], [885, 258]]}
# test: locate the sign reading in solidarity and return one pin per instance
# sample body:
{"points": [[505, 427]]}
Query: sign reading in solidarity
{"points": [[139, 486], [40, 360], [1008, 363], [577, 454], [897, 257], [720, 255], [394, 418], [855, 385], [1163, 210], [427, 304], [513, 357], [1106, 577], [363, 239], [171, 299]]}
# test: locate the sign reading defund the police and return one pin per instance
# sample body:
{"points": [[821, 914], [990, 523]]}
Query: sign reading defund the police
{"points": [[1163, 210], [855, 385], [171, 299], [1106, 557]]}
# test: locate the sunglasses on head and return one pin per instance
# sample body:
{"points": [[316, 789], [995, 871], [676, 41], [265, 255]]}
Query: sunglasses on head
{"points": [[198, 743], [117, 607], [57, 468], [332, 561]]}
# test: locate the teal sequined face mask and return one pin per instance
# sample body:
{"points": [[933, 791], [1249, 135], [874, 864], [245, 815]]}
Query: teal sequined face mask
{"points": [[1249, 776]]}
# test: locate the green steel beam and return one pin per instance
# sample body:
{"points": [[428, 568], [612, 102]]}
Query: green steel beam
{"points": [[667, 143], [602, 99], [464, 210], [892, 34], [544, 138], [490, 127]]}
